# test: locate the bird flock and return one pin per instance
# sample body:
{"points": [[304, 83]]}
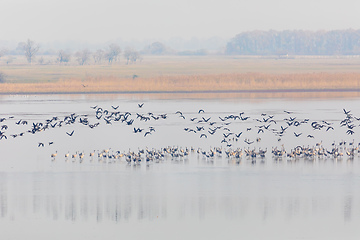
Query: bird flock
{"points": [[237, 134]]}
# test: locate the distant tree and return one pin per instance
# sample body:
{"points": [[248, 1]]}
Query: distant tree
{"points": [[63, 57], [98, 56], [200, 52], [30, 49], [2, 77], [41, 60], [113, 52], [3, 52], [83, 56], [338, 42], [131, 55], [156, 48]]}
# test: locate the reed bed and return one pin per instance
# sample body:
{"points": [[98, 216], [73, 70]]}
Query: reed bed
{"points": [[241, 82]]}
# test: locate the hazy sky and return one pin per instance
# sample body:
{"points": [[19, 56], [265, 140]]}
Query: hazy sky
{"points": [[106, 20]]}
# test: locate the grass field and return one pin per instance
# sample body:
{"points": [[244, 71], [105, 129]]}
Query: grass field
{"points": [[185, 74]]}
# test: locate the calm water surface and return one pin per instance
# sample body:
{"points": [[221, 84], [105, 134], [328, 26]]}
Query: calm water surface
{"points": [[192, 197]]}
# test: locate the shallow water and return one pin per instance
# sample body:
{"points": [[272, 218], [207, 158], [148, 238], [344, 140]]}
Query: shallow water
{"points": [[189, 197]]}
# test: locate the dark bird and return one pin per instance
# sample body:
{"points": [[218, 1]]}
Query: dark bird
{"points": [[41, 145], [297, 134], [206, 120], [346, 112], [287, 112], [94, 107], [192, 119], [115, 108], [50, 143], [350, 132], [136, 130], [310, 136], [199, 128], [203, 135], [107, 121], [201, 111], [70, 134], [226, 135], [329, 128], [147, 133], [238, 135], [141, 105]]}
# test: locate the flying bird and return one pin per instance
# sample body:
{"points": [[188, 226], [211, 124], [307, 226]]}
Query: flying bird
{"points": [[70, 134]]}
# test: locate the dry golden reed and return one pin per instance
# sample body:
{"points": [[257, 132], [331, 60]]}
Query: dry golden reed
{"points": [[194, 83]]}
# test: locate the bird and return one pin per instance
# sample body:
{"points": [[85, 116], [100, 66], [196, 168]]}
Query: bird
{"points": [[297, 134], [238, 135], [140, 105], [54, 155], [70, 134], [329, 128], [206, 120], [346, 112], [201, 111]]}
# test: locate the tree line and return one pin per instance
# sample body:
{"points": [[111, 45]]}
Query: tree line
{"points": [[111, 54], [297, 42]]}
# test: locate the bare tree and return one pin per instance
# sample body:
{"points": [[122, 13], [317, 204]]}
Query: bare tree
{"points": [[63, 57], [131, 55], [113, 52], [83, 56], [41, 60], [30, 49], [98, 56], [3, 52]]}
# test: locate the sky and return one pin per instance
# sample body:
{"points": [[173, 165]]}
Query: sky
{"points": [[105, 20]]}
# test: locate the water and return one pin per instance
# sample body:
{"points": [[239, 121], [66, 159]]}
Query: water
{"points": [[189, 197]]}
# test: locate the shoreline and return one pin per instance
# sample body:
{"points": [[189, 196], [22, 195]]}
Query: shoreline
{"points": [[330, 90]]}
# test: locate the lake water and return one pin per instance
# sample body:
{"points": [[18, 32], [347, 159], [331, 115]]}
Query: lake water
{"points": [[194, 196]]}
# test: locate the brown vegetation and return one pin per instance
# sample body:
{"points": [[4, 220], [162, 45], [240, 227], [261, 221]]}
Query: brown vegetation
{"points": [[241, 82], [186, 74]]}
